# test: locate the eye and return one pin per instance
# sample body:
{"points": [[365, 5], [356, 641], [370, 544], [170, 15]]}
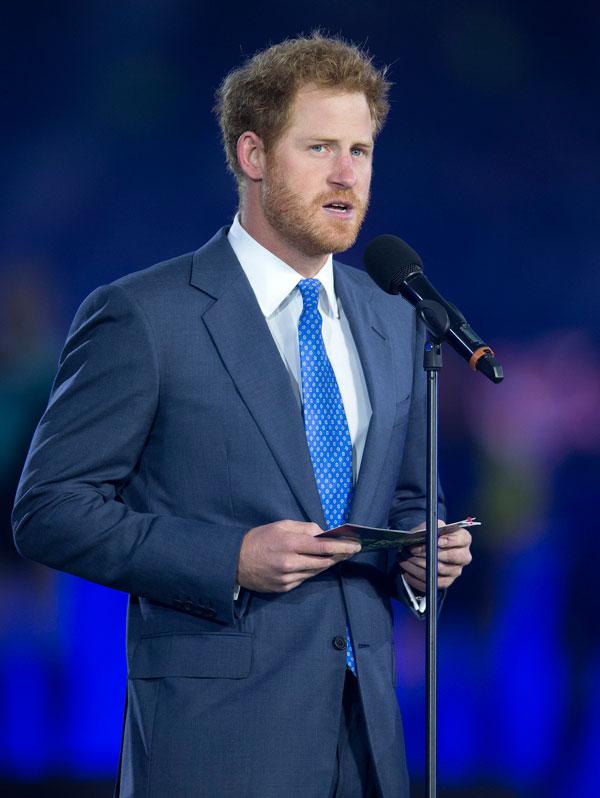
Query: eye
{"points": [[357, 151], [317, 147]]}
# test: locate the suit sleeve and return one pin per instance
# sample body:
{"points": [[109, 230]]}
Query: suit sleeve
{"points": [[68, 512]]}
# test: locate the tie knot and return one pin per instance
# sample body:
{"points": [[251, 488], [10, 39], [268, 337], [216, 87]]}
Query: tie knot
{"points": [[309, 289]]}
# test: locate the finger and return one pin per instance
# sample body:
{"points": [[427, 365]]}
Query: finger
{"points": [[326, 547], [281, 583], [462, 537], [304, 572], [420, 561], [451, 571], [300, 543], [460, 556], [292, 584], [420, 585], [412, 568], [444, 569], [305, 563], [307, 531], [291, 580]]}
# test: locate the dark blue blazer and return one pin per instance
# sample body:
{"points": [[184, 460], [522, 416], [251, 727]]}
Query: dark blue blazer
{"points": [[172, 429]]}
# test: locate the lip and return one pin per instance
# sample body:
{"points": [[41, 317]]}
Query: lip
{"points": [[338, 213]]}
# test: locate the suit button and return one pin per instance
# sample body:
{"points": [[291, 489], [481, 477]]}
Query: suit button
{"points": [[339, 642]]}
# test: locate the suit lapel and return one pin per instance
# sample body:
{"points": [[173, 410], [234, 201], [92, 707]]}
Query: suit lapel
{"points": [[245, 344], [376, 360]]}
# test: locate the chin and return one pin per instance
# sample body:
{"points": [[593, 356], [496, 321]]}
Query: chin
{"points": [[339, 241]]}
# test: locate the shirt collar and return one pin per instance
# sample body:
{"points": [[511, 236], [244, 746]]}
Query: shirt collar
{"points": [[271, 279]]}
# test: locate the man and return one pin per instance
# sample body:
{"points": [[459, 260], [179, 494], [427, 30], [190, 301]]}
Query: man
{"points": [[211, 416]]}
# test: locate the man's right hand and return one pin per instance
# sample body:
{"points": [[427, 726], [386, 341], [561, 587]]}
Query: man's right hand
{"points": [[276, 558]]}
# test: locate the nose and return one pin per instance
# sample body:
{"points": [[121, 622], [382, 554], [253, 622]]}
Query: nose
{"points": [[343, 173]]}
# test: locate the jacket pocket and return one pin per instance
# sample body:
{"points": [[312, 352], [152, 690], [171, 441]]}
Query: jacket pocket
{"points": [[196, 656]]}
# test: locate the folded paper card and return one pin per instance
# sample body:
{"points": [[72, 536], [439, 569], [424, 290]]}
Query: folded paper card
{"points": [[372, 538]]}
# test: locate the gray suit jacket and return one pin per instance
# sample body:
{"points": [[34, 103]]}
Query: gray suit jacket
{"points": [[172, 429]]}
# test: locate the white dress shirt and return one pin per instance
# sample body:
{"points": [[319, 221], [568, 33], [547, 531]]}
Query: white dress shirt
{"points": [[274, 284]]}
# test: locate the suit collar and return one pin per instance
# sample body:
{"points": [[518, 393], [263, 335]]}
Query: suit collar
{"points": [[215, 268], [356, 296], [245, 344]]}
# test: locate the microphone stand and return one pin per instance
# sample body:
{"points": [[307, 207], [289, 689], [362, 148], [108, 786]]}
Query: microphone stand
{"points": [[436, 320]]}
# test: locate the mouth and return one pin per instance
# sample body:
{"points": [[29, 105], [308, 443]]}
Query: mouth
{"points": [[339, 209]]}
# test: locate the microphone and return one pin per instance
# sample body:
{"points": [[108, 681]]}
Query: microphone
{"points": [[397, 269]]}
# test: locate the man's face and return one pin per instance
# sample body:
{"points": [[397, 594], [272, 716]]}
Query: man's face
{"points": [[315, 187]]}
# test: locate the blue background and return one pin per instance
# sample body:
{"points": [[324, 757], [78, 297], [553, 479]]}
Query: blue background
{"points": [[489, 167]]}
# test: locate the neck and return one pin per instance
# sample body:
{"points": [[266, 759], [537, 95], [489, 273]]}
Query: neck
{"points": [[261, 231]]}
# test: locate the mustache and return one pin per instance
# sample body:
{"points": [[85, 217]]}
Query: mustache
{"points": [[347, 196]]}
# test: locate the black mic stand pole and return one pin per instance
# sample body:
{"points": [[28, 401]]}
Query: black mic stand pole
{"points": [[436, 320]]}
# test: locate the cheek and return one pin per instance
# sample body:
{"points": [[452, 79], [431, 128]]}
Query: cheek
{"points": [[302, 181], [364, 178], [311, 177]]}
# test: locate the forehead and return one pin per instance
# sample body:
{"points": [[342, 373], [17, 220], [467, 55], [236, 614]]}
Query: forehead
{"points": [[325, 113]]}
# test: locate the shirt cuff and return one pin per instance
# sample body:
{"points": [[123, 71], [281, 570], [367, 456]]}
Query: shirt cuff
{"points": [[418, 602]]}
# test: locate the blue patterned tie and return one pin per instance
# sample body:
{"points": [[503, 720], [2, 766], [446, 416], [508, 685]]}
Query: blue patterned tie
{"points": [[325, 423]]}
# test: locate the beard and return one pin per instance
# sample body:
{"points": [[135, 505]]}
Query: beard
{"points": [[302, 222]]}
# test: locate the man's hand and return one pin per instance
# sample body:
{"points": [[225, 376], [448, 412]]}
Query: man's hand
{"points": [[276, 558], [453, 555]]}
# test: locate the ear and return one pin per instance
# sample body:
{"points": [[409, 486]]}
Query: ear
{"points": [[251, 155]]}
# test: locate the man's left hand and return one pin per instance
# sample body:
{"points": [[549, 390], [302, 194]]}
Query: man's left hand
{"points": [[453, 554]]}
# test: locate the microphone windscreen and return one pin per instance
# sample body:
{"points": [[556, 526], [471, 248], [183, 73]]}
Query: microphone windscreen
{"points": [[389, 261]]}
